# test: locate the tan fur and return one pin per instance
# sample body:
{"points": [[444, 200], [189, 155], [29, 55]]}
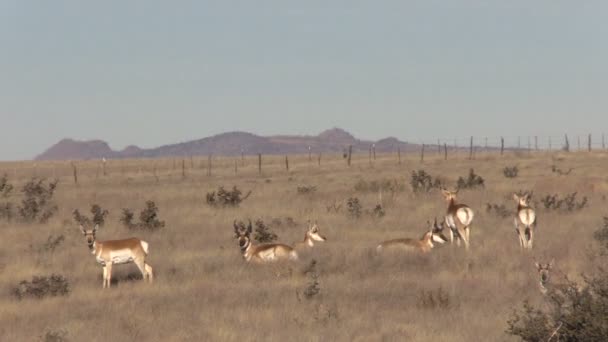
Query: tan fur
{"points": [[424, 245], [525, 221], [458, 218], [312, 234], [262, 253], [112, 252]]}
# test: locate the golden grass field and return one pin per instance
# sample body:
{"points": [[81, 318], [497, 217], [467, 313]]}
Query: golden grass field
{"points": [[204, 291]]}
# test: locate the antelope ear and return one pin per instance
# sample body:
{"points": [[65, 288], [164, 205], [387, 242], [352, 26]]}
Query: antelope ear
{"points": [[537, 265], [550, 265], [95, 229], [515, 197], [445, 192], [84, 232]]}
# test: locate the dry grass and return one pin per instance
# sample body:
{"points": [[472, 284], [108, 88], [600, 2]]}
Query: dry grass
{"points": [[204, 291]]}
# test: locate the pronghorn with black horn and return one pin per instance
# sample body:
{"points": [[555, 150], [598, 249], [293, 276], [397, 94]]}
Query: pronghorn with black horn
{"points": [[423, 245], [525, 220], [112, 252], [312, 234], [267, 252], [458, 218]]}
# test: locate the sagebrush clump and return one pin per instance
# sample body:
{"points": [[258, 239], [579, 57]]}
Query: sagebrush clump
{"points": [[263, 233], [471, 182], [148, 218], [565, 203], [225, 198], [421, 181], [37, 205], [98, 218], [510, 172], [42, 286]]}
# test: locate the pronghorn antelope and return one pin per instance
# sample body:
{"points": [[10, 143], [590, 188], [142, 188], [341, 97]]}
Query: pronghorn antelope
{"points": [[458, 218], [312, 234], [525, 220], [424, 245], [261, 253], [112, 252], [543, 271]]}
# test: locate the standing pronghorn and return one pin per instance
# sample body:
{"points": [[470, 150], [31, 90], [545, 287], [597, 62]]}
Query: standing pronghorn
{"points": [[111, 252], [312, 234], [458, 218], [424, 245], [261, 253], [525, 220]]}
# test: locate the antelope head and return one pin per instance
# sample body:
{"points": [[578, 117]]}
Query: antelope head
{"points": [[437, 230], [427, 238], [89, 235], [313, 232], [544, 273], [522, 199], [449, 195], [242, 234]]}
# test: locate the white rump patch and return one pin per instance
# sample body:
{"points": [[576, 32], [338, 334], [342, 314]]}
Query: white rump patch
{"points": [[465, 216], [121, 256], [527, 217]]}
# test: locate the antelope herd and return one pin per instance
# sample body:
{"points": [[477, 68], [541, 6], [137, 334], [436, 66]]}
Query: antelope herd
{"points": [[458, 219]]}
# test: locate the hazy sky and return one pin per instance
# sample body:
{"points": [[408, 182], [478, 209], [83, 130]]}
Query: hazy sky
{"points": [[151, 73]]}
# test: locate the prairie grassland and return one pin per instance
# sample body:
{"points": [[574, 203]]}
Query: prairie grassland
{"points": [[204, 291]]}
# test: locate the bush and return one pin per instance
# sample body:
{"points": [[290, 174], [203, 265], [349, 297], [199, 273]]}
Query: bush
{"points": [[472, 181], [263, 234], [354, 207], [98, 213], [148, 218], [567, 203], [385, 185], [499, 210], [559, 171], [5, 187], [6, 211], [55, 336], [307, 189], [378, 211], [42, 286], [421, 181], [434, 299], [572, 312], [52, 242], [223, 198], [36, 204], [510, 172]]}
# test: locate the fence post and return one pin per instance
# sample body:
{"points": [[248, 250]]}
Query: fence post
{"points": [[242, 157], [309, 154], [319, 158], [529, 145], [350, 153], [445, 151], [438, 146], [399, 155], [154, 173], [374, 150], [422, 154], [550, 147], [103, 164], [502, 145], [209, 165], [589, 142], [566, 143], [370, 155], [183, 168], [471, 149], [259, 163], [75, 173], [286, 164], [603, 142]]}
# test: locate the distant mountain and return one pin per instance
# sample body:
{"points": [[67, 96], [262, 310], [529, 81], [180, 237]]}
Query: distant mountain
{"points": [[334, 140]]}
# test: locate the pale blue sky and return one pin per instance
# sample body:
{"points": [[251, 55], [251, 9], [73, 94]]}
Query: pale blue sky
{"points": [[151, 73]]}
